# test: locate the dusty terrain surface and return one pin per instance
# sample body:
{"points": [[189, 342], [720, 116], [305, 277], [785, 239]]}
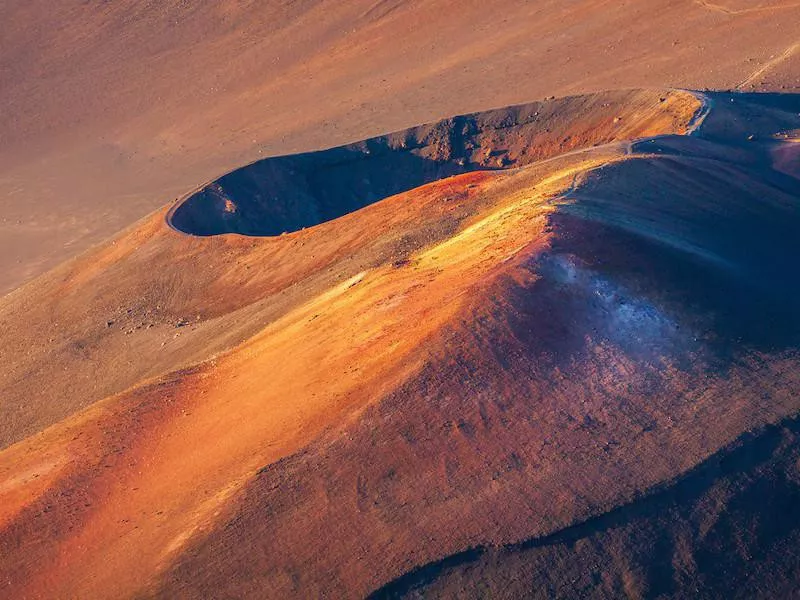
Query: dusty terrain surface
{"points": [[112, 109], [571, 315], [540, 341]]}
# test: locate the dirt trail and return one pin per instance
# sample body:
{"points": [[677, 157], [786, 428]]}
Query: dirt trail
{"points": [[769, 65], [721, 8]]}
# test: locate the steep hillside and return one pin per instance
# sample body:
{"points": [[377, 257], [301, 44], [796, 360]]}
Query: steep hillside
{"points": [[570, 326], [153, 300]]}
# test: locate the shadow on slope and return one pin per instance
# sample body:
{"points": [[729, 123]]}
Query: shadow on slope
{"points": [[708, 534], [689, 249]]}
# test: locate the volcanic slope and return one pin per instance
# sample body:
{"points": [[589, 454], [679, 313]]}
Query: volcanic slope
{"points": [[543, 334], [100, 324]]}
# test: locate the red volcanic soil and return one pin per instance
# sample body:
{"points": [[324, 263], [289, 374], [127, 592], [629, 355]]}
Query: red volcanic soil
{"points": [[572, 350], [545, 350], [578, 427]]}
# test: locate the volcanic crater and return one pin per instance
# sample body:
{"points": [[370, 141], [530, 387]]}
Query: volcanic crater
{"points": [[386, 399], [288, 193]]}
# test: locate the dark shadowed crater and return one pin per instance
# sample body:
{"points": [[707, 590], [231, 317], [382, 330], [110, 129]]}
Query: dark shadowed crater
{"points": [[288, 193]]}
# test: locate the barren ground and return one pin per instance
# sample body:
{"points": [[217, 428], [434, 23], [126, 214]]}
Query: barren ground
{"points": [[547, 350]]}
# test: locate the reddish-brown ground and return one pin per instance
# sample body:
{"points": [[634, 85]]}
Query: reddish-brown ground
{"points": [[486, 359], [334, 316], [106, 321], [560, 359]]}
